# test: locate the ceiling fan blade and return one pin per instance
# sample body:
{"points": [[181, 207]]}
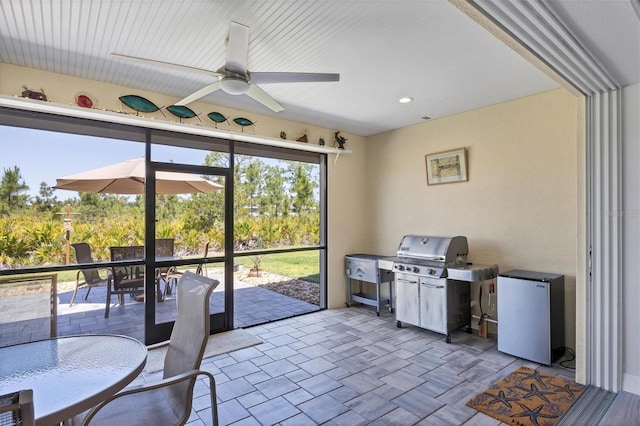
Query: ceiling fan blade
{"points": [[162, 63], [291, 77], [261, 96], [237, 48], [200, 93]]}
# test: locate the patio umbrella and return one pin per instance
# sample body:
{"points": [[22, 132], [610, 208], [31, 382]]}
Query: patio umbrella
{"points": [[127, 177]]}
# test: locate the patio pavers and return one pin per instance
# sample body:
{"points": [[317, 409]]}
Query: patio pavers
{"points": [[253, 305]]}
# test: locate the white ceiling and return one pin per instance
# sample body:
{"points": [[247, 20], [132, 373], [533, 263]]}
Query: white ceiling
{"points": [[382, 49]]}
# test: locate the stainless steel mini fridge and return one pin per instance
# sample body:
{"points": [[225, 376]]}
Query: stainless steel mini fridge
{"points": [[531, 315]]}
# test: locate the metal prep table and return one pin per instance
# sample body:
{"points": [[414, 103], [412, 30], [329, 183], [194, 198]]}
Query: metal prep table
{"points": [[364, 267]]}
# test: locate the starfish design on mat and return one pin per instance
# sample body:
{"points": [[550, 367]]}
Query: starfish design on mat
{"points": [[501, 397], [534, 376], [534, 391], [533, 414], [565, 389]]}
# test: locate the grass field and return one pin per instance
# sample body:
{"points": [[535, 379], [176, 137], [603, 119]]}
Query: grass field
{"points": [[300, 265], [303, 265]]}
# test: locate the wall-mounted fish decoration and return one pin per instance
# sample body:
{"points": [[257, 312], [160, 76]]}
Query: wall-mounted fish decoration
{"points": [[139, 104], [217, 118], [182, 111], [243, 122]]}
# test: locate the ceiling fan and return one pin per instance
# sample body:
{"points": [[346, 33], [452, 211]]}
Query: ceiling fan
{"points": [[234, 77]]}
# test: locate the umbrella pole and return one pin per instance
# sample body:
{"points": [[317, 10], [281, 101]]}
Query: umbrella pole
{"points": [[66, 223]]}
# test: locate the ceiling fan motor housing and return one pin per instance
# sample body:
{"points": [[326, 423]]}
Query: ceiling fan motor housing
{"points": [[234, 85]]}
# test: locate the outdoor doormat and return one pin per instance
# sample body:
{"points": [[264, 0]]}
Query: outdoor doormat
{"points": [[528, 397]]}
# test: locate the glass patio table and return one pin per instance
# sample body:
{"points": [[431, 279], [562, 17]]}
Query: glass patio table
{"points": [[69, 375]]}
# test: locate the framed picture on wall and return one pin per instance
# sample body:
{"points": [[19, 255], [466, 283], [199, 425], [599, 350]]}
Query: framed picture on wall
{"points": [[447, 166]]}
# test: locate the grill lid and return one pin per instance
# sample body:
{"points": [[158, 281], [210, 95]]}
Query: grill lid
{"points": [[449, 251]]}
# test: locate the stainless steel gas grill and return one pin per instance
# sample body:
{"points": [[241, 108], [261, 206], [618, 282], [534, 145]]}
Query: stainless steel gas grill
{"points": [[432, 279]]}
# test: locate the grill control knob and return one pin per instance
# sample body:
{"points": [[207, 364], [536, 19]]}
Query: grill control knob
{"points": [[400, 267], [431, 271], [416, 269]]}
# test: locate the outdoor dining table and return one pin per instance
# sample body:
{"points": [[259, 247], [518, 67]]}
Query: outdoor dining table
{"points": [[159, 294], [69, 375], [159, 258], [159, 271]]}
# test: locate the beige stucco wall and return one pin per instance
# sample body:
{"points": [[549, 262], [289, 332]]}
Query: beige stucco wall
{"points": [[346, 205], [518, 208]]}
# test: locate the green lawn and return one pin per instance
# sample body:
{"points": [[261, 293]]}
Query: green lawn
{"points": [[303, 265]]}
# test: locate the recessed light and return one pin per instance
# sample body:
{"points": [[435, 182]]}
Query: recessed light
{"points": [[405, 100]]}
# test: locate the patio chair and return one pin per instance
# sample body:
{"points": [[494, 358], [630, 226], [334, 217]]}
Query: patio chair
{"points": [[168, 402], [125, 279], [16, 408], [91, 277], [164, 248], [173, 275]]}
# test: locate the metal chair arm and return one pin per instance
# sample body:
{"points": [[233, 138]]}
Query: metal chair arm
{"points": [[157, 385]]}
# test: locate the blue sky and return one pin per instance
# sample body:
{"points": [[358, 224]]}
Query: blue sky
{"points": [[44, 156]]}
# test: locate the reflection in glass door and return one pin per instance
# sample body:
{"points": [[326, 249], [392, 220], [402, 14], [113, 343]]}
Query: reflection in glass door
{"points": [[189, 230]]}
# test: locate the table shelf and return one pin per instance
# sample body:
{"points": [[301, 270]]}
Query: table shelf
{"points": [[364, 268]]}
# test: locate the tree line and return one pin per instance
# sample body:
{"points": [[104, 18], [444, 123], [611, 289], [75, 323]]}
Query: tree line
{"points": [[275, 205]]}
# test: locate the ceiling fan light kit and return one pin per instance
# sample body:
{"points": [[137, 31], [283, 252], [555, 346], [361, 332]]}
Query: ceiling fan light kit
{"points": [[234, 85], [234, 78]]}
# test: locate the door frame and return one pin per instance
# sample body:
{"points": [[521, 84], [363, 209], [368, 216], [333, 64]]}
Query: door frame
{"points": [[220, 321]]}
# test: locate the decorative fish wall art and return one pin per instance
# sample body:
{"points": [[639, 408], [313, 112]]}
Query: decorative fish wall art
{"points": [[243, 122], [139, 104], [182, 111], [217, 118]]}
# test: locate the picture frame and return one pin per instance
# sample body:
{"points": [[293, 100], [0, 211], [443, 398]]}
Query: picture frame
{"points": [[447, 166]]}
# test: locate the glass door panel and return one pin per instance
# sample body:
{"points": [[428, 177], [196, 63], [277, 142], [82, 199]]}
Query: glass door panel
{"points": [[189, 222], [269, 287], [75, 224], [277, 205]]}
